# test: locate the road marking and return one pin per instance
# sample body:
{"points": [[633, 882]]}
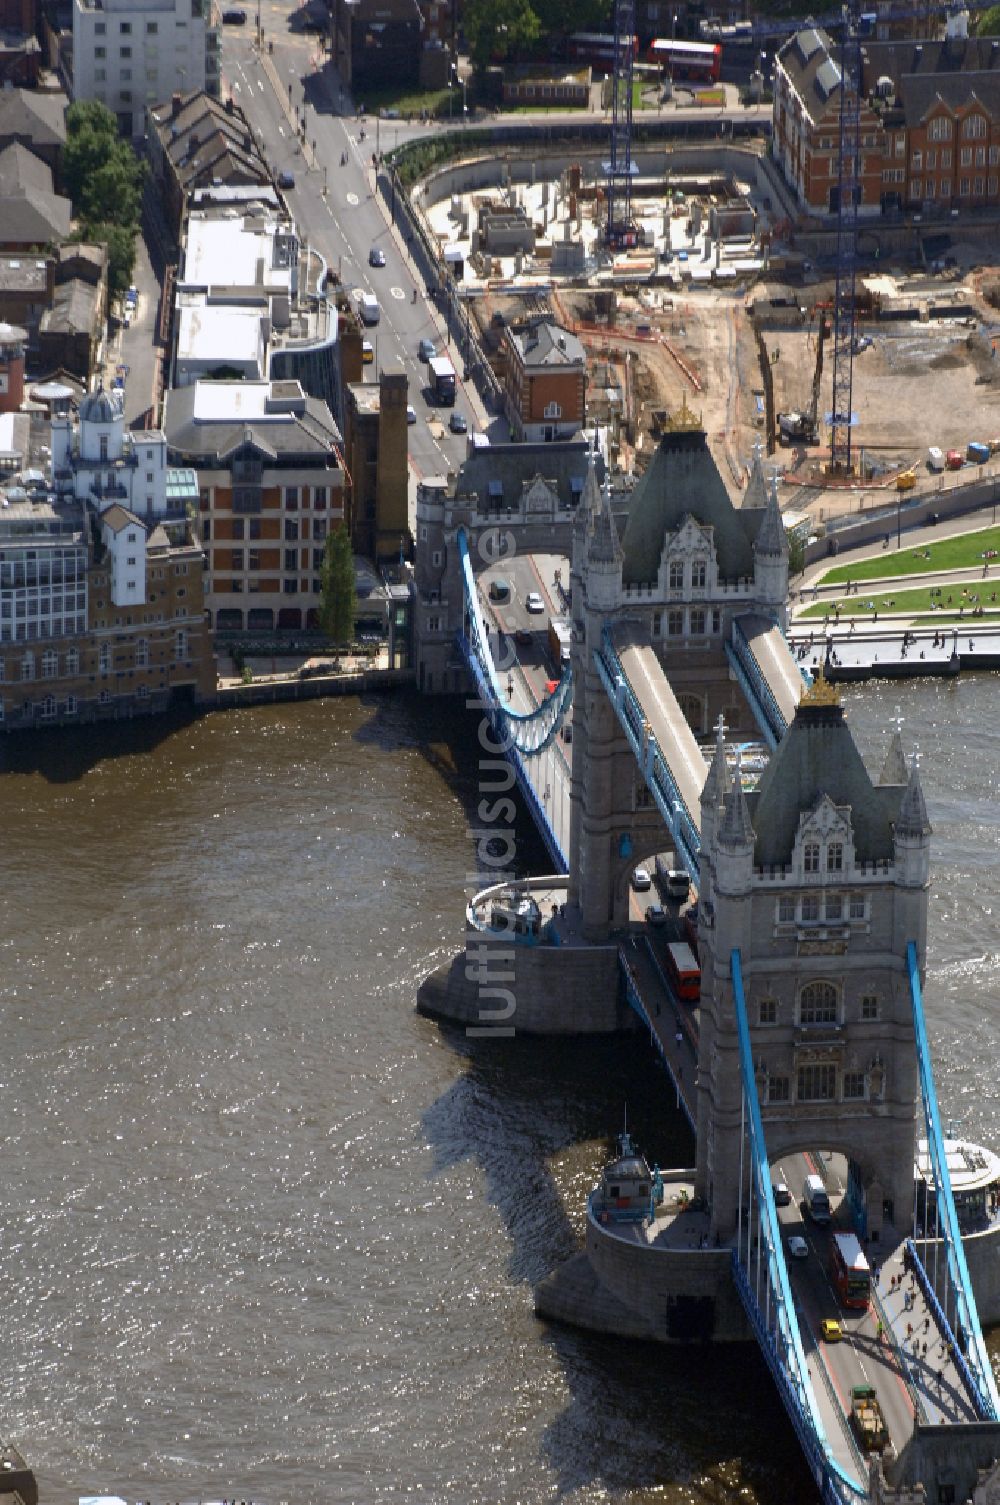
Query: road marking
{"points": [[353, 199], [397, 292]]}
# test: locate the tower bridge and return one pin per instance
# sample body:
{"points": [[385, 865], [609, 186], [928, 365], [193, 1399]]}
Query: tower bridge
{"points": [[808, 1035]]}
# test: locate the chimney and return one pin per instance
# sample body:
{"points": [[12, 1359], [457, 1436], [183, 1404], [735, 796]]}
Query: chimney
{"points": [[175, 106]]}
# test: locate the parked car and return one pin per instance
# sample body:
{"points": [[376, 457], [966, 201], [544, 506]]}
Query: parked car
{"points": [[458, 423], [427, 350], [234, 17], [286, 180], [376, 257], [534, 604], [411, 413], [641, 880]]}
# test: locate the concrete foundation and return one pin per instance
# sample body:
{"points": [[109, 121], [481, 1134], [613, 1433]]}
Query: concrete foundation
{"points": [[496, 988]]}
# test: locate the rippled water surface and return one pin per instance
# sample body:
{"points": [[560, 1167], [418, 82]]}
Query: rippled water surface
{"points": [[267, 1231]]}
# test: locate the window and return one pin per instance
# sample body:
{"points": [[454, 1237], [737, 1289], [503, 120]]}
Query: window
{"points": [[980, 156], [993, 186], [291, 559], [99, 29], [319, 496], [552, 410], [48, 707], [931, 188], [835, 857], [859, 908], [143, 692], [73, 661], [253, 559], [716, 619], [125, 52], [810, 856], [104, 658], [100, 52], [939, 129], [125, 27], [292, 498], [946, 158], [767, 1011], [899, 146], [126, 75], [28, 666], [100, 74], [965, 157], [676, 575], [290, 587], [786, 910], [818, 1003], [869, 1006], [181, 644], [854, 1085], [238, 526], [236, 559], [675, 624], [50, 664], [142, 654], [810, 909], [126, 96], [152, 27], [291, 530], [964, 189], [778, 1089], [699, 571], [71, 705], [916, 188], [974, 128], [817, 1083], [916, 161], [698, 620], [834, 907], [931, 160], [433, 624], [977, 187]]}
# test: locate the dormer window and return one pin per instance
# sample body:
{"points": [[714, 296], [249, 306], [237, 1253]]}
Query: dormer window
{"points": [[810, 857], [676, 575], [835, 857], [699, 572]]}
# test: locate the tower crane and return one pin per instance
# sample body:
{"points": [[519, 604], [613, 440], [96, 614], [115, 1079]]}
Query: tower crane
{"points": [[620, 227]]}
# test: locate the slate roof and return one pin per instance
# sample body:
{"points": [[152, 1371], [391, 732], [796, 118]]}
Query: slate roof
{"points": [[817, 756], [545, 344], [30, 213], [75, 309], [33, 117], [497, 473], [810, 60], [21, 169], [682, 479], [206, 143], [118, 517], [283, 435]]}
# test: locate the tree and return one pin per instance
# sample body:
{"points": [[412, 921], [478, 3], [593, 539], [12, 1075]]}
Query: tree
{"points": [[336, 611], [556, 18], [102, 172], [120, 241], [494, 29], [796, 552], [988, 24]]}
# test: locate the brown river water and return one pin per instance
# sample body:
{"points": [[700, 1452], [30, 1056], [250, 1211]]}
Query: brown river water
{"points": [[270, 1234]]}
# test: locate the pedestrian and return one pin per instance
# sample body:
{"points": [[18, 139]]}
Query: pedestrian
{"points": [[878, 1329]]}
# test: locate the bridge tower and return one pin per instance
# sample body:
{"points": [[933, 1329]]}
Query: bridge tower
{"points": [[820, 878]]}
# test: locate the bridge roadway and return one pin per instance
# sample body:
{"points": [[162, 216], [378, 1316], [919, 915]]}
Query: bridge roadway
{"points": [[769, 647], [910, 1384], [667, 722]]}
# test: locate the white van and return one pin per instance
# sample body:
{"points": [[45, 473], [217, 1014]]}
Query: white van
{"points": [[369, 309], [817, 1203], [935, 458]]}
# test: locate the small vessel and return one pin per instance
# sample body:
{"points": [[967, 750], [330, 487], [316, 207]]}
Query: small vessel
{"points": [[629, 1191]]}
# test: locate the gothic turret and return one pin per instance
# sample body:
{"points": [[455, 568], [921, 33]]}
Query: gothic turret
{"points": [[912, 835], [770, 558], [734, 843], [604, 558]]}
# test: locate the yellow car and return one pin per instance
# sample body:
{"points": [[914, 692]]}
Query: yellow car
{"points": [[367, 352], [831, 1330], [906, 480]]}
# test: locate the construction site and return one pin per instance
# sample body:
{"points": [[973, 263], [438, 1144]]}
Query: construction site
{"points": [[711, 305]]}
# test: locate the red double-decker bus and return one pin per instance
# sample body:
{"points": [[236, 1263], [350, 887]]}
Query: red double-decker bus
{"points": [[850, 1271], [597, 48], [698, 62]]}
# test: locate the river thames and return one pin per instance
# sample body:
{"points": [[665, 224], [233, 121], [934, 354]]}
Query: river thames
{"points": [[270, 1234]]}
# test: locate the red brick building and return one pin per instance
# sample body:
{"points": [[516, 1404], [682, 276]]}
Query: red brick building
{"points": [[545, 382], [930, 123]]}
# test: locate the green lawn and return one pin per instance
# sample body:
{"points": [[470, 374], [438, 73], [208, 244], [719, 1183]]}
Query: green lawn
{"points": [[958, 553], [948, 598], [412, 101]]}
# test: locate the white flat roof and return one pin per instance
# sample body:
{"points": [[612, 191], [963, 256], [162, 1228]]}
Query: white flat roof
{"points": [[232, 252], [219, 334], [215, 401], [970, 1166]]}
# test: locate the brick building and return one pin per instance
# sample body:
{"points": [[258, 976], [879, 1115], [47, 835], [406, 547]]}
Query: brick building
{"points": [[545, 382], [930, 123], [197, 142], [375, 435]]}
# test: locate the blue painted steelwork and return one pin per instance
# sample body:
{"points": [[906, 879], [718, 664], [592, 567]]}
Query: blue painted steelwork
{"points": [[984, 1388], [517, 734], [940, 1317], [650, 755], [778, 1330], [755, 687], [637, 1004]]}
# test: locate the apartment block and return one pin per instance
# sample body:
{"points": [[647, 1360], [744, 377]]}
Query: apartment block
{"points": [[130, 54]]}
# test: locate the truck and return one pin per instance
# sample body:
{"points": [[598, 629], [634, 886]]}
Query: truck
{"points": [[442, 375], [560, 642], [792, 426], [977, 454], [815, 1199], [368, 307], [867, 1419]]}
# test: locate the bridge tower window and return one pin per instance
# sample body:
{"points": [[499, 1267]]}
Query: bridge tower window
{"points": [[697, 621], [818, 1003], [676, 575], [817, 1083], [778, 1089], [699, 573], [767, 1011], [675, 624], [835, 857], [869, 1006], [786, 909], [810, 856], [834, 907], [854, 1085], [810, 909]]}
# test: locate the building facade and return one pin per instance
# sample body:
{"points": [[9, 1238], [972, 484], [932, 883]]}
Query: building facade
{"points": [[130, 54], [375, 437], [930, 123], [270, 479], [545, 382]]}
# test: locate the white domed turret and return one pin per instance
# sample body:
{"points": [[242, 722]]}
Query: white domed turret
{"points": [[102, 425]]}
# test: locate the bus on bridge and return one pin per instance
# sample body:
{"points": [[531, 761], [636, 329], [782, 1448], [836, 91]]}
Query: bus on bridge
{"points": [[850, 1271]]}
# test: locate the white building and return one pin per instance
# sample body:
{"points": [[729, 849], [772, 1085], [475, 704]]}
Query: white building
{"points": [[131, 54], [99, 462], [124, 537]]}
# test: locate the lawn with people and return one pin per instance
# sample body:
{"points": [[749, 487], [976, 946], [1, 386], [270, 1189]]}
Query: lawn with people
{"points": [[962, 551], [938, 603]]}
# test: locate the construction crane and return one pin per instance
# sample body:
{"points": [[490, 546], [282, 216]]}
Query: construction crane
{"points": [[620, 229]]}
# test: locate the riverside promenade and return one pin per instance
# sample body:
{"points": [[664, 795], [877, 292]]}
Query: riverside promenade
{"points": [[856, 631]]}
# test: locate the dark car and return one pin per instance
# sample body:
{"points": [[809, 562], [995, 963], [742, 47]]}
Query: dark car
{"points": [[234, 17], [286, 180], [458, 423], [376, 257]]}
